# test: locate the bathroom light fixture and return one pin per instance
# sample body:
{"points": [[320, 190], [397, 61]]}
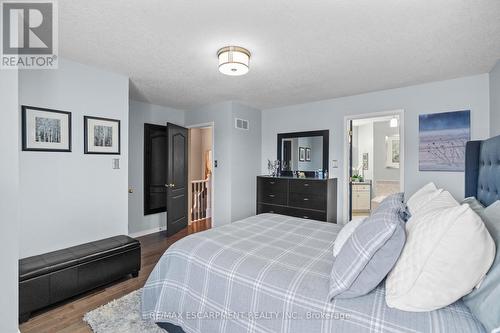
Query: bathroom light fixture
{"points": [[394, 122], [233, 60]]}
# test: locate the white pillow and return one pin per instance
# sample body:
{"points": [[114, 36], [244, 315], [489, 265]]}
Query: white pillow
{"points": [[440, 201], [446, 254], [344, 235], [422, 197]]}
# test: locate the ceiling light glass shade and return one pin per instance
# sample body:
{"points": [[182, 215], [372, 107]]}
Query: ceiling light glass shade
{"points": [[233, 60], [394, 122]]}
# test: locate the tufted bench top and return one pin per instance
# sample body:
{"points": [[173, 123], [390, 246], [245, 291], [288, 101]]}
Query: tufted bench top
{"points": [[53, 261]]}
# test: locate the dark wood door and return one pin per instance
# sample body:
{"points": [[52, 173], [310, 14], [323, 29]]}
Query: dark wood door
{"points": [[287, 155], [177, 178], [155, 166]]}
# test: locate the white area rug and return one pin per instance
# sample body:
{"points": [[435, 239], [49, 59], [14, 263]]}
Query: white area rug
{"points": [[121, 316]]}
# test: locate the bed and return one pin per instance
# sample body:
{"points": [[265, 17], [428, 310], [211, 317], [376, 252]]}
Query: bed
{"points": [[270, 273]]}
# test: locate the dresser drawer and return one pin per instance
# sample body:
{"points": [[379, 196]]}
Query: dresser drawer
{"points": [[307, 214], [308, 201], [263, 208], [273, 185], [308, 186], [361, 188], [276, 198], [308, 198]]}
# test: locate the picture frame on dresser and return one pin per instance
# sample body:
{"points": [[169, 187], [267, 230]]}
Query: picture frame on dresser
{"points": [[45, 130], [101, 135]]}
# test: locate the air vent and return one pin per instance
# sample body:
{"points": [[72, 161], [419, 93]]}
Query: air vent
{"points": [[241, 124]]}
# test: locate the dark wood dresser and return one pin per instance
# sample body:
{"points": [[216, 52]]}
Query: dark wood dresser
{"points": [[308, 198]]}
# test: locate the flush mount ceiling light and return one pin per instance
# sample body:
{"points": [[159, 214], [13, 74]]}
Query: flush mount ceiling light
{"points": [[233, 60], [394, 122]]}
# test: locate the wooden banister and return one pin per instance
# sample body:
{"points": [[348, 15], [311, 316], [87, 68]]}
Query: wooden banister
{"points": [[200, 192]]}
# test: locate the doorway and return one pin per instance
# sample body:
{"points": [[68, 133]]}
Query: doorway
{"points": [[374, 161], [201, 175]]}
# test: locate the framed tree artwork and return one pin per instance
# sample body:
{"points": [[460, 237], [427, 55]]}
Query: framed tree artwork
{"points": [[392, 152], [101, 136], [45, 129], [302, 154], [365, 161], [308, 154]]}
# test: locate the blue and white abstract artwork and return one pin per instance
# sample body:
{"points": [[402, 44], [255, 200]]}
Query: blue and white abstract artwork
{"points": [[442, 140]]}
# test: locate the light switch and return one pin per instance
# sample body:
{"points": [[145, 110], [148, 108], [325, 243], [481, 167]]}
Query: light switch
{"points": [[335, 164], [116, 163]]}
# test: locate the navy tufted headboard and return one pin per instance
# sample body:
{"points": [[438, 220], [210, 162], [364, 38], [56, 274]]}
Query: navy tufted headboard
{"points": [[482, 170]]}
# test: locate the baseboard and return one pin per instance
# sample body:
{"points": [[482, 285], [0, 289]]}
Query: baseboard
{"points": [[147, 232]]}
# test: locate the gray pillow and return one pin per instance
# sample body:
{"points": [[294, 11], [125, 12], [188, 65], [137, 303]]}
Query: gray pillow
{"points": [[370, 253], [397, 200], [484, 302]]}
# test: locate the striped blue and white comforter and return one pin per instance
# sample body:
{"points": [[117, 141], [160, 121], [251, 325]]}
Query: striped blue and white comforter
{"points": [[270, 273]]}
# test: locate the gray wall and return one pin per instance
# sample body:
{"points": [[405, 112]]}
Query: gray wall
{"points": [[245, 157], [495, 100], [451, 95], [9, 203], [139, 114], [73, 198], [381, 130]]}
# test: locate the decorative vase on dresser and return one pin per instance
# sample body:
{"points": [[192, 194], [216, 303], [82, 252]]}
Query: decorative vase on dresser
{"points": [[309, 198]]}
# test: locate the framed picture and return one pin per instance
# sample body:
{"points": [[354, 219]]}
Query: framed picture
{"points": [[442, 139], [308, 154], [365, 161], [101, 135], [302, 154], [45, 129], [392, 152]]}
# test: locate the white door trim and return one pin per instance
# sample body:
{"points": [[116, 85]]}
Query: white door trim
{"points": [[212, 194], [347, 119]]}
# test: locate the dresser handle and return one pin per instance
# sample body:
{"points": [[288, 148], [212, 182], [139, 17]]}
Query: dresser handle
{"points": [[305, 217], [271, 195], [306, 184], [271, 211], [272, 183], [306, 199]]}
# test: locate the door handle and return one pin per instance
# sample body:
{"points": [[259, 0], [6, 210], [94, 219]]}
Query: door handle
{"points": [[169, 185]]}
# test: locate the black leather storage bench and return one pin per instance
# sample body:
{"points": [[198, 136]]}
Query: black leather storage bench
{"points": [[53, 277]]}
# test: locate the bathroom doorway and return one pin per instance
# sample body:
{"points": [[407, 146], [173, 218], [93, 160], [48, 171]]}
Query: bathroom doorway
{"points": [[201, 175], [374, 161]]}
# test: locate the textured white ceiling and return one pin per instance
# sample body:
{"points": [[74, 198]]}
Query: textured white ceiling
{"points": [[301, 50]]}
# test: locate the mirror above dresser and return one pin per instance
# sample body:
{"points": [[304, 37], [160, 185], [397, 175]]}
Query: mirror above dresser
{"points": [[305, 152]]}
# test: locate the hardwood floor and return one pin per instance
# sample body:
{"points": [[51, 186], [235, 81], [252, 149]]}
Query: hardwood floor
{"points": [[67, 317]]}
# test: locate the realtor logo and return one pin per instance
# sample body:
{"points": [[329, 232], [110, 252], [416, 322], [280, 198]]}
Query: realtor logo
{"points": [[29, 34]]}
